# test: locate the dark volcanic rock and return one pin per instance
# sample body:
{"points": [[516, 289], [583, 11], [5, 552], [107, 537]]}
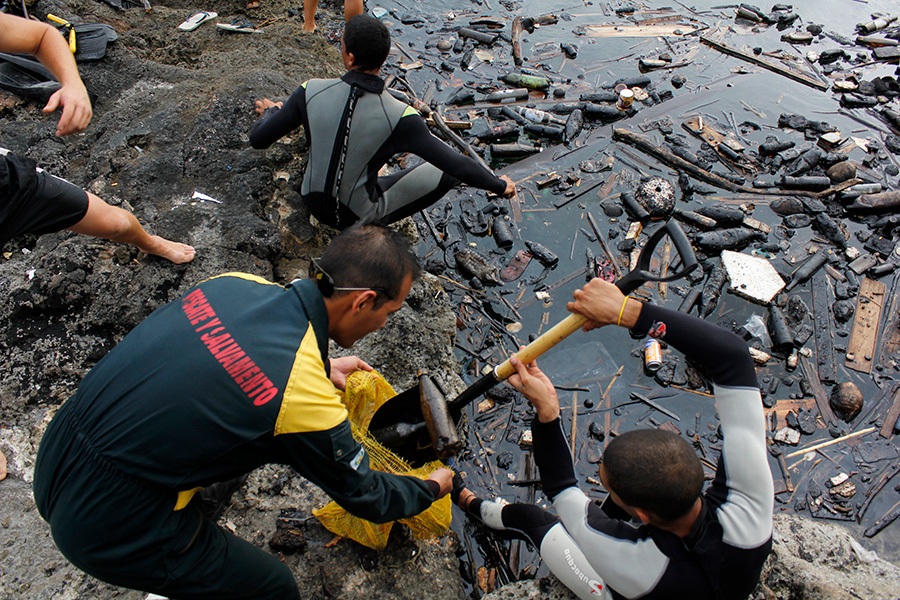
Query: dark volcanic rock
{"points": [[171, 117]]}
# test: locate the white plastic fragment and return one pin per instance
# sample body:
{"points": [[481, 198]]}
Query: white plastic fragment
{"points": [[525, 439], [204, 198], [752, 277], [838, 479], [786, 435], [866, 556]]}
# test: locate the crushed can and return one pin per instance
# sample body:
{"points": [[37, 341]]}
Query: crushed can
{"points": [[652, 356], [626, 99]]}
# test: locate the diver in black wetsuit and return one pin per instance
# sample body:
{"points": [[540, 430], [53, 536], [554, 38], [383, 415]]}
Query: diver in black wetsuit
{"points": [[353, 127], [657, 536]]}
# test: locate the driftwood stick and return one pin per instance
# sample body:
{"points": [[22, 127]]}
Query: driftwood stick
{"points": [[605, 246], [574, 431], [818, 390], [690, 391], [883, 480], [605, 396], [886, 519], [516, 35], [645, 145], [774, 67], [455, 139], [836, 440]]}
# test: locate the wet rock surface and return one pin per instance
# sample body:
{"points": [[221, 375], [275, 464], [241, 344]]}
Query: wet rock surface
{"points": [[169, 120]]}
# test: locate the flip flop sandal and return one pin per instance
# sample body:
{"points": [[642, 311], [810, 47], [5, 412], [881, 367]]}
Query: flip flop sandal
{"points": [[196, 19], [516, 266], [238, 26]]}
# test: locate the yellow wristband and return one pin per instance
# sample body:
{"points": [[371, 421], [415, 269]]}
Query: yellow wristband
{"points": [[622, 311]]}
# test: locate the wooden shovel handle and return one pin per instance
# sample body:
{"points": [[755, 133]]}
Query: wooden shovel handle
{"points": [[547, 340]]}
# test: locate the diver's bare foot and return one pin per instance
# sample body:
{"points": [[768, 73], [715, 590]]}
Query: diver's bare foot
{"points": [[175, 252], [309, 27]]}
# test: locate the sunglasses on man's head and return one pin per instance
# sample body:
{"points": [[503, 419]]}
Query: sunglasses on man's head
{"points": [[327, 287]]}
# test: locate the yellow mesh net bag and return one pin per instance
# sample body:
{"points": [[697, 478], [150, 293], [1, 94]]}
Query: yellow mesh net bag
{"points": [[365, 392]]}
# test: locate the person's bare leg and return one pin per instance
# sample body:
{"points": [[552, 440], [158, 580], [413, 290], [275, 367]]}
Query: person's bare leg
{"points": [[119, 225], [309, 14], [352, 8]]}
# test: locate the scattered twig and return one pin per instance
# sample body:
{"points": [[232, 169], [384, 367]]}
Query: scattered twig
{"points": [[836, 440]]}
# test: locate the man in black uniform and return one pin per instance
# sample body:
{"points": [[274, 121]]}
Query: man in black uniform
{"points": [[233, 375], [353, 127], [656, 536], [32, 200]]}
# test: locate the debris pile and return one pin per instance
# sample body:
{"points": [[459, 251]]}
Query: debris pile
{"points": [[792, 213]]}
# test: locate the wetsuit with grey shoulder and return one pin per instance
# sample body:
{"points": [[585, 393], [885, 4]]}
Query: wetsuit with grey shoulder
{"points": [[353, 127], [599, 553]]}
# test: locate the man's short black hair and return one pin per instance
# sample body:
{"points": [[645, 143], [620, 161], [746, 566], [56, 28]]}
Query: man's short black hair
{"points": [[654, 470], [368, 40], [370, 256]]}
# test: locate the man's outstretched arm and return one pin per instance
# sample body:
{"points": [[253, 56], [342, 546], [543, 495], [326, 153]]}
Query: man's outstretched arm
{"points": [[412, 135], [24, 36], [277, 119]]}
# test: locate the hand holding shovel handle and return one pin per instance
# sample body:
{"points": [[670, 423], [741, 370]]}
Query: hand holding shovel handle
{"points": [[630, 282], [406, 410]]}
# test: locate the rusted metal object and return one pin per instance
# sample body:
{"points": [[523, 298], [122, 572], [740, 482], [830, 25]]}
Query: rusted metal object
{"points": [[441, 426]]}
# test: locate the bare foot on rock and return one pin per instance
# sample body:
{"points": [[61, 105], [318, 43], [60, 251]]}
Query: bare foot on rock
{"points": [[176, 252], [309, 27]]}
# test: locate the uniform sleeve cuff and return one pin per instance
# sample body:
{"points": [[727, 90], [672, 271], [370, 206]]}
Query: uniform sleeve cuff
{"points": [[434, 486]]}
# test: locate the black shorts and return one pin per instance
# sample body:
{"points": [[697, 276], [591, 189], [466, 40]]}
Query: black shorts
{"points": [[33, 201]]}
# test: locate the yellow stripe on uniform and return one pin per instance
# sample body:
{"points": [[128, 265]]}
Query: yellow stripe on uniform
{"points": [[311, 402], [185, 497]]}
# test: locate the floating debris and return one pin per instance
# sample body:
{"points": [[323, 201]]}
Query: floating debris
{"points": [[846, 401], [543, 254], [751, 277], [657, 196], [474, 265]]}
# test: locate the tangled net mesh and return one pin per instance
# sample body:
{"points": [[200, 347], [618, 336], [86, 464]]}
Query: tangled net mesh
{"points": [[365, 392]]}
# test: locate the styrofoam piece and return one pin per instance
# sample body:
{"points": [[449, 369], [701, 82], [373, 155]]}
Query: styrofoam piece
{"points": [[752, 277]]}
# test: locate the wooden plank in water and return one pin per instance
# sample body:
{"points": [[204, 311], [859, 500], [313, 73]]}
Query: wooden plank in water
{"points": [[887, 429], [661, 29], [777, 68], [890, 341], [818, 391], [824, 324], [515, 207], [863, 336], [783, 407]]}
